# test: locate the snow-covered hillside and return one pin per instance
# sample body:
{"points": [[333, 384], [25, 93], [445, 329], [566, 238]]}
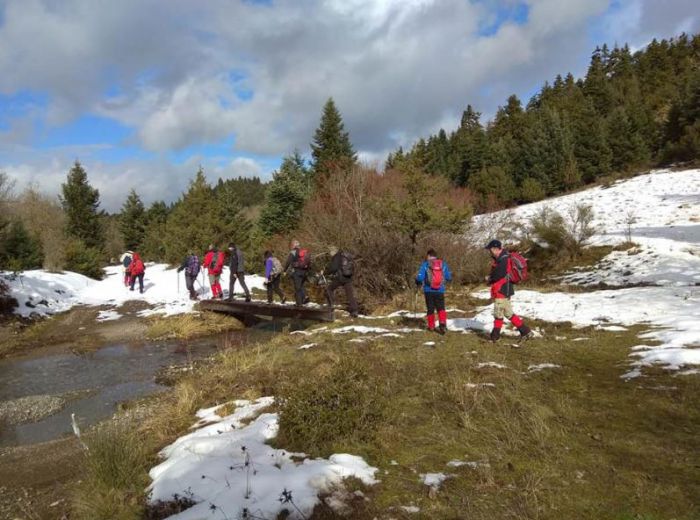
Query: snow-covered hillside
{"points": [[661, 213], [41, 293]]}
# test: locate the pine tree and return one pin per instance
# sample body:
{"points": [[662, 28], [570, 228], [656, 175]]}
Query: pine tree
{"points": [[132, 221], [286, 195], [469, 146], [80, 202], [192, 224], [626, 142], [331, 147], [153, 246]]}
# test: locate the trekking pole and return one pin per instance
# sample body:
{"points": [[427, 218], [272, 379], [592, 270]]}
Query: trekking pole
{"points": [[178, 282]]}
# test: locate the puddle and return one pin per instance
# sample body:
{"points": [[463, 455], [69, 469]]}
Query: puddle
{"points": [[104, 378]]}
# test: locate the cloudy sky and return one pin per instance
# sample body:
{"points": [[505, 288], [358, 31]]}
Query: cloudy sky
{"points": [[144, 91]]}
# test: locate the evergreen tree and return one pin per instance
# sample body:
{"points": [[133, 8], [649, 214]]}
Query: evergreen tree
{"points": [[153, 246], [21, 250], [493, 186], [331, 147], [470, 146], [286, 195], [626, 142], [132, 221], [80, 202]]}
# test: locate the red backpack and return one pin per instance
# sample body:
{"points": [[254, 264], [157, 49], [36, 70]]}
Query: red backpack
{"points": [[303, 260], [435, 274], [517, 267]]}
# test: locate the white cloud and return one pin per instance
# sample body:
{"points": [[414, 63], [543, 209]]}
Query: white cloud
{"points": [[398, 69]]}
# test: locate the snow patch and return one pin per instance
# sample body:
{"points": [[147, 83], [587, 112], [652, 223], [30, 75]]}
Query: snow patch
{"points": [[228, 468]]}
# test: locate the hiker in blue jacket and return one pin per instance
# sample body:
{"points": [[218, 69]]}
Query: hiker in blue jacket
{"points": [[191, 266], [432, 276]]}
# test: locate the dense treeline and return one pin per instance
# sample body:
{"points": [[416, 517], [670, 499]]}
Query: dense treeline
{"points": [[631, 110]]}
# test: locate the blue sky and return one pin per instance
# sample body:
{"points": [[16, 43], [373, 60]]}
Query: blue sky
{"points": [[142, 95]]}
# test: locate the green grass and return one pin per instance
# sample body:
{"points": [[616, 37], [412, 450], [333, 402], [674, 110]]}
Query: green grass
{"points": [[575, 442]]}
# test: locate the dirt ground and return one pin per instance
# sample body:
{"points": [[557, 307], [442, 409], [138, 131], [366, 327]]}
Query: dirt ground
{"points": [[35, 480]]}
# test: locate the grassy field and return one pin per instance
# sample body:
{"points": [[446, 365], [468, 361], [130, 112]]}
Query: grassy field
{"points": [[575, 441]]}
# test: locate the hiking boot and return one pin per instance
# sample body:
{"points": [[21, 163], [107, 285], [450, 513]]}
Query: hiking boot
{"points": [[247, 299], [525, 333], [442, 329], [495, 335], [284, 300], [307, 300]]}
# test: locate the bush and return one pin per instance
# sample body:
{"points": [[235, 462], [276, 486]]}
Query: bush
{"points": [[21, 250], [531, 190], [320, 413], [115, 473], [563, 235], [84, 260]]}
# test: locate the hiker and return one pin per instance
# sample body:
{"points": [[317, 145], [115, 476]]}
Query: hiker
{"points": [[273, 276], [236, 267], [502, 288], [432, 275], [342, 269], [191, 267], [300, 262], [214, 263], [125, 260], [136, 271]]}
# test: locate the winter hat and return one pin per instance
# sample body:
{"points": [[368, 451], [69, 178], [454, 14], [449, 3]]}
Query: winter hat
{"points": [[494, 243]]}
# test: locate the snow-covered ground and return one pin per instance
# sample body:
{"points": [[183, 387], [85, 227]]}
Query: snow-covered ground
{"points": [[660, 212], [41, 293], [230, 471]]}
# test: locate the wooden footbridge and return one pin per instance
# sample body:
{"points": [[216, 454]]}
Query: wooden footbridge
{"points": [[243, 309]]}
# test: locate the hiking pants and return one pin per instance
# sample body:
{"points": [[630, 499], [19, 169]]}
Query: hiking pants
{"points": [[232, 283], [133, 282], [299, 278], [349, 294], [503, 309], [189, 282], [435, 301], [273, 287], [215, 285]]}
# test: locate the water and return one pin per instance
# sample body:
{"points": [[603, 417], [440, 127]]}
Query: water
{"points": [[103, 379]]}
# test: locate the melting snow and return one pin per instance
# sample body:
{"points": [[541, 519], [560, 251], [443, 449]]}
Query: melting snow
{"points": [[227, 468]]}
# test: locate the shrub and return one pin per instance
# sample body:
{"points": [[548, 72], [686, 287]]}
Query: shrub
{"points": [[84, 260], [321, 412], [565, 235], [531, 190], [21, 250], [115, 473]]}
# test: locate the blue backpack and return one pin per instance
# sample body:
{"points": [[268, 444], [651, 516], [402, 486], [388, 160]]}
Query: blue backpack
{"points": [[192, 268]]}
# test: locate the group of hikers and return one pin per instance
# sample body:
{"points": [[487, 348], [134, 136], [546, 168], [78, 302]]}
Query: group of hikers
{"points": [[507, 269]]}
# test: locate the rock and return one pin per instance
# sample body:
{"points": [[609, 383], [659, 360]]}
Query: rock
{"points": [[30, 408]]}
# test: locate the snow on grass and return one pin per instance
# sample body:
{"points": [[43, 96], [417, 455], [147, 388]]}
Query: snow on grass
{"points": [[362, 329], [433, 480], [410, 509], [229, 469], [109, 315], [307, 346], [541, 366], [42, 293], [469, 464], [490, 364], [671, 313]]}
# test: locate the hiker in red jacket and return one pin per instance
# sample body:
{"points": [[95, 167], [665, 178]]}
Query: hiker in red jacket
{"points": [[502, 288], [214, 263], [136, 271]]}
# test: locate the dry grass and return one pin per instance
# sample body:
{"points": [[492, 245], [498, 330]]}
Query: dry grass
{"points": [[188, 326]]}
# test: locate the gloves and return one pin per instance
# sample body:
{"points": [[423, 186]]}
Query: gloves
{"points": [[419, 283]]}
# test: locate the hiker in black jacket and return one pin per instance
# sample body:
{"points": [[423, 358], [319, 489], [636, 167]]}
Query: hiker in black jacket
{"points": [[300, 262], [341, 268], [236, 266], [191, 267]]}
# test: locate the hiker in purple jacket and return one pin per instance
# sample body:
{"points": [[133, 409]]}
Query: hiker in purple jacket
{"points": [[273, 276]]}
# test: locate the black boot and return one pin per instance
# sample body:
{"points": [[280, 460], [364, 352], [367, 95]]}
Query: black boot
{"points": [[525, 333], [495, 334], [442, 329]]}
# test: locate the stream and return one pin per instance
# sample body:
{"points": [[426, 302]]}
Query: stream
{"points": [[94, 383]]}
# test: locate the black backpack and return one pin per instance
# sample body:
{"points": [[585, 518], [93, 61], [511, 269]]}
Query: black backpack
{"points": [[347, 264]]}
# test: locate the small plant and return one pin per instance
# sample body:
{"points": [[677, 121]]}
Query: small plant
{"points": [[114, 474], [319, 413], [565, 235], [630, 220]]}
